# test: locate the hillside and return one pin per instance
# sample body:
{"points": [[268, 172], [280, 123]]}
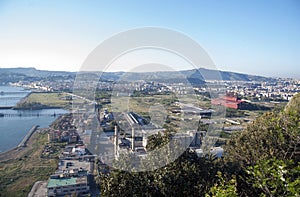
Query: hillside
{"points": [[294, 105]]}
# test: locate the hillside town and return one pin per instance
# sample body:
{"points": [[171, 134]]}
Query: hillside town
{"points": [[72, 140], [149, 98], [98, 133]]}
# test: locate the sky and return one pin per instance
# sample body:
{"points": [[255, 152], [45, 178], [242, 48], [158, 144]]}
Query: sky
{"points": [[254, 37]]}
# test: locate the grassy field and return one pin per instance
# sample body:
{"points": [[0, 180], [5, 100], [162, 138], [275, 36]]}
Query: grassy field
{"points": [[142, 104], [136, 104], [19, 174], [49, 99]]}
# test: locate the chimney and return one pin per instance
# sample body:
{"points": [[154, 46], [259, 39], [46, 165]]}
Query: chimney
{"points": [[116, 139], [132, 141]]}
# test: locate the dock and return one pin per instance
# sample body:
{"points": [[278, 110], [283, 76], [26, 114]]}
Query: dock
{"points": [[28, 114], [6, 107]]}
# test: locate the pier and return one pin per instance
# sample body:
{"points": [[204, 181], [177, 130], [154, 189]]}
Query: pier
{"points": [[28, 135], [6, 107], [27, 114], [15, 92]]}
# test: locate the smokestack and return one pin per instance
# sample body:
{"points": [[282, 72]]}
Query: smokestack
{"points": [[132, 141], [116, 139]]}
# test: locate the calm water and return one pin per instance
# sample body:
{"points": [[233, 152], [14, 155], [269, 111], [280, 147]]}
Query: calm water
{"points": [[14, 128], [9, 96]]}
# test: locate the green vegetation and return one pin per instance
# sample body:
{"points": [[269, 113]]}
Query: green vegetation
{"points": [[262, 160], [234, 113], [103, 97], [43, 100], [139, 104], [223, 188], [19, 174], [293, 106], [158, 140], [52, 150], [274, 177], [187, 176]]}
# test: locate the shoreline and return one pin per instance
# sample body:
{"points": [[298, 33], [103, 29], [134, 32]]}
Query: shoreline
{"points": [[24, 141], [21, 146], [37, 108], [13, 152], [10, 151]]}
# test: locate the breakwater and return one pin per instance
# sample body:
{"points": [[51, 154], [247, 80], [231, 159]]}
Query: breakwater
{"points": [[27, 136], [6, 107], [28, 114], [15, 123]]}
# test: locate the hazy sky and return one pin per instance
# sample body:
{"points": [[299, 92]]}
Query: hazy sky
{"points": [[256, 37]]}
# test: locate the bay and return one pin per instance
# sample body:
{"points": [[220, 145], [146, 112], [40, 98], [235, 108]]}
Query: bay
{"points": [[14, 127], [10, 96]]}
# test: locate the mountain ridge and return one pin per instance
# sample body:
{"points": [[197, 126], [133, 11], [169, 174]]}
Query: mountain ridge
{"points": [[196, 76]]}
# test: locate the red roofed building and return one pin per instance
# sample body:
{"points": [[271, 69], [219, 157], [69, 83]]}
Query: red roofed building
{"points": [[228, 101]]}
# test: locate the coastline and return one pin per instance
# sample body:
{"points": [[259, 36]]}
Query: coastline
{"points": [[16, 148], [6, 155], [24, 144], [27, 136], [36, 108]]}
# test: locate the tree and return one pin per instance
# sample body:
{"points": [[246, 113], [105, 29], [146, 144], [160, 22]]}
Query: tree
{"points": [[271, 135], [187, 176], [266, 154], [275, 177], [223, 187]]}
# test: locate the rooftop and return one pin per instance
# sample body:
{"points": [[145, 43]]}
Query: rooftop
{"points": [[68, 165], [61, 182], [66, 181]]}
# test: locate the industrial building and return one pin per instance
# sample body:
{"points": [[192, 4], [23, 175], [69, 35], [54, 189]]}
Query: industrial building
{"points": [[229, 102], [68, 185]]}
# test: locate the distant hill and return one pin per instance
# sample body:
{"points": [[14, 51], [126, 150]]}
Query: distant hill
{"points": [[224, 75], [195, 76], [32, 72]]}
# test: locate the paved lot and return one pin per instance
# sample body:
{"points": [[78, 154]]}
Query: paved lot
{"points": [[75, 164], [39, 189]]}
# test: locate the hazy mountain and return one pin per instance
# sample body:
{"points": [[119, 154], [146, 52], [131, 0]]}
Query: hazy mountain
{"points": [[209, 74], [32, 72], [195, 76]]}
